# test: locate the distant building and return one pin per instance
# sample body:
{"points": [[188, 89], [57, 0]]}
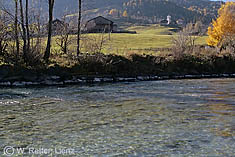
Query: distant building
{"points": [[168, 18], [168, 22], [100, 24], [58, 26]]}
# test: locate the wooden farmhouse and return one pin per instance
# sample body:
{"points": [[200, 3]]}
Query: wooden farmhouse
{"points": [[100, 25]]}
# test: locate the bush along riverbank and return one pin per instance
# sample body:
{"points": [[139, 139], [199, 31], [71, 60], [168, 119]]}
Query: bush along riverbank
{"points": [[99, 68]]}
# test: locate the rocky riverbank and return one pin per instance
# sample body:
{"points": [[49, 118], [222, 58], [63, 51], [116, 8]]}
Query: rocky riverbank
{"points": [[56, 80], [37, 79]]}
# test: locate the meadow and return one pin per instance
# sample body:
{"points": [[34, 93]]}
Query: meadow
{"points": [[147, 40]]}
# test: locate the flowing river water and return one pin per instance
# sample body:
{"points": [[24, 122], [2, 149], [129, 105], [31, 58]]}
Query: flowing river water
{"points": [[158, 118]]}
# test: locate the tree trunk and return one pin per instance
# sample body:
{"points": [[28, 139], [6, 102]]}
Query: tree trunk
{"points": [[1, 47], [79, 25], [24, 31], [16, 28], [27, 24], [48, 48]]}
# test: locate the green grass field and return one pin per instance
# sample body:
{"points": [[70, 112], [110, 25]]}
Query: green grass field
{"points": [[147, 40]]}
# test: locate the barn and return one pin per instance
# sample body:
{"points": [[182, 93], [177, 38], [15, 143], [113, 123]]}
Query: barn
{"points": [[100, 25]]}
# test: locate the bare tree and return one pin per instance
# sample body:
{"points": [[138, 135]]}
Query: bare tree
{"points": [[185, 40], [21, 28], [37, 31], [3, 34], [48, 48], [27, 24], [94, 44], [79, 26], [24, 34], [63, 40], [227, 43], [16, 28], [36, 45], [12, 33]]}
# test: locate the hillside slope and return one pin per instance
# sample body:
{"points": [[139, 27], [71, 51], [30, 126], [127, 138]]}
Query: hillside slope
{"points": [[149, 9]]}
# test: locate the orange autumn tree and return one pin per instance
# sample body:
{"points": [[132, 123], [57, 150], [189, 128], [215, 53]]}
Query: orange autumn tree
{"points": [[223, 26]]}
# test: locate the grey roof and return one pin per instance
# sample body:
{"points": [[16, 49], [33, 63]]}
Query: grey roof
{"points": [[101, 20]]}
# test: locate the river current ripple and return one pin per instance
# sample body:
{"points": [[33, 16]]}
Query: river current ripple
{"points": [[158, 118]]}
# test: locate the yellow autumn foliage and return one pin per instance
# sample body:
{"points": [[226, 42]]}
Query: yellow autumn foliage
{"points": [[125, 14], [223, 26], [113, 12]]}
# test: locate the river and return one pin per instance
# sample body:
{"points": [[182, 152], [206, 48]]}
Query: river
{"points": [[154, 118]]}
